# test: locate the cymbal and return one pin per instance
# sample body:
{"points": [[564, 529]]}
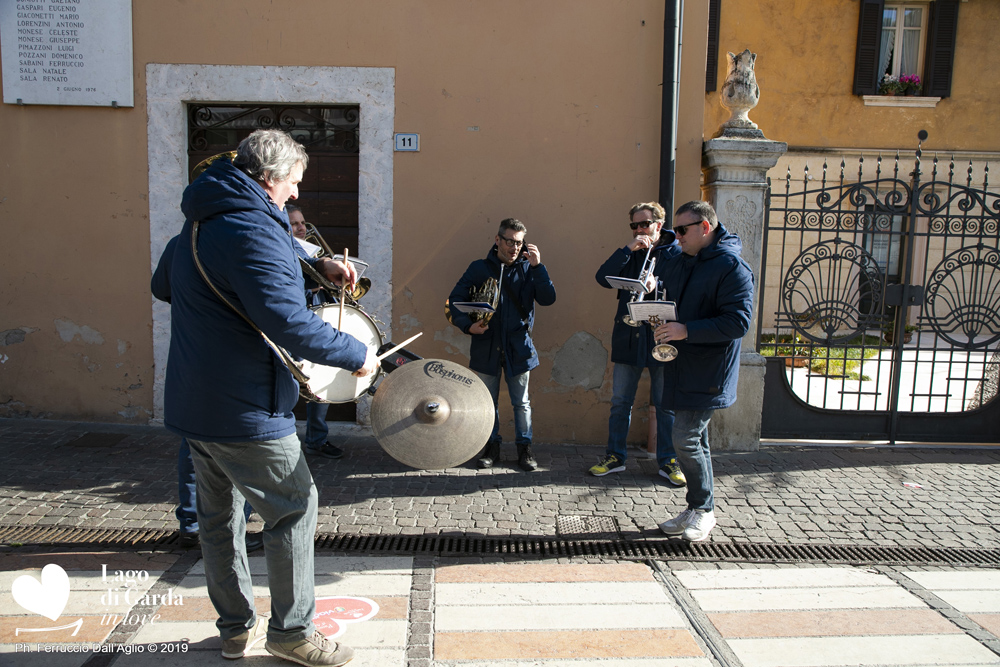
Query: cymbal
{"points": [[432, 414]]}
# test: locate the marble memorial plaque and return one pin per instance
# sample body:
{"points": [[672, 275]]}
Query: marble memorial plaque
{"points": [[75, 52]]}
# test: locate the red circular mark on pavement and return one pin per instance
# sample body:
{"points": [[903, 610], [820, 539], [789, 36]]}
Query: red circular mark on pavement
{"points": [[334, 613]]}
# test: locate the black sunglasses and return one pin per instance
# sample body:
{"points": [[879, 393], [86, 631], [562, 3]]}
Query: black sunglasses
{"points": [[645, 224], [683, 229]]}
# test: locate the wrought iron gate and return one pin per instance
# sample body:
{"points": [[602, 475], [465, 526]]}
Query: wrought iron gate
{"points": [[880, 305]]}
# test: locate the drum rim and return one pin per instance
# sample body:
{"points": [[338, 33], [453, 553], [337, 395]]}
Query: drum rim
{"points": [[305, 363]]}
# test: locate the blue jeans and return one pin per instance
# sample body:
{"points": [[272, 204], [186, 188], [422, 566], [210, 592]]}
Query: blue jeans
{"points": [[186, 512], [274, 477], [316, 426], [517, 388], [625, 381], [694, 456]]}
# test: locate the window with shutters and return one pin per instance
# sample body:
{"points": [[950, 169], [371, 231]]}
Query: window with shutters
{"points": [[906, 38]]}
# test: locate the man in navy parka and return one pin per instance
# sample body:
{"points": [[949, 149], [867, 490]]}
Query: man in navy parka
{"points": [[505, 342], [231, 396], [713, 288]]}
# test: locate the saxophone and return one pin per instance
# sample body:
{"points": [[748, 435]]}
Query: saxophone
{"points": [[488, 292]]}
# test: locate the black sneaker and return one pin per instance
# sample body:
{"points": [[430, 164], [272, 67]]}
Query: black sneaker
{"points": [[490, 455], [326, 451], [526, 459], [189, 540], [254, 541]]}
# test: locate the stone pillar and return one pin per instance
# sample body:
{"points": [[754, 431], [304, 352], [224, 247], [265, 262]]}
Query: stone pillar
{"points": [[735, 165]]}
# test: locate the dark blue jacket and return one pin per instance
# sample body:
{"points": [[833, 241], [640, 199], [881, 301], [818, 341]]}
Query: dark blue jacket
{"points": [[632, 345], [507, 341], [714, 295], [223, 383]]}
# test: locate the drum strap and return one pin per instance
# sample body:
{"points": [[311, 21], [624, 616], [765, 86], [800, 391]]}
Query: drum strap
{"points": [[285, 358]]}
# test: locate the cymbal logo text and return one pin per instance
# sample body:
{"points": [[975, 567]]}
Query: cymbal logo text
{"points": [[437, 368]]}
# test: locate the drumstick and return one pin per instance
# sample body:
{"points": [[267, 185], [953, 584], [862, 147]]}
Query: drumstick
{"points": [[391, 350], [343, 293]]}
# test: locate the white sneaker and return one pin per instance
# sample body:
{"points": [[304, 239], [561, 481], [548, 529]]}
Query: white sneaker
{"points": [[675, 527], [699, 525]]}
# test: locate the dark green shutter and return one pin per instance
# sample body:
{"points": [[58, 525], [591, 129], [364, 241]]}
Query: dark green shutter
{"points": [[866, 74], [942, 28], [712, 64]]}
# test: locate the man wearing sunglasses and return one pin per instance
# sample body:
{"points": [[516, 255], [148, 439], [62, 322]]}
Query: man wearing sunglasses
{"points": [[631, 347], [713, 288], [504, 344]]}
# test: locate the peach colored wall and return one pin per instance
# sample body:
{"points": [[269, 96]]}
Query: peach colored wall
{"points": [[566, 98], [805, 69]]}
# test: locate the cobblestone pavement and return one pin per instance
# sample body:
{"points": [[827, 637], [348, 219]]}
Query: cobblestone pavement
{"points": [[110, 476]]}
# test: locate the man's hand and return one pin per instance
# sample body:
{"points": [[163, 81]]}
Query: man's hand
{"points": [[669, 331], [650, 283], [640, 242], [479, 327], [534, 257], [371, 365], [338, 272]]}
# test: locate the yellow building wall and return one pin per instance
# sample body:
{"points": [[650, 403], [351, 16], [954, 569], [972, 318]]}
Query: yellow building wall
{"points": [[566, 99], [805, 70]]}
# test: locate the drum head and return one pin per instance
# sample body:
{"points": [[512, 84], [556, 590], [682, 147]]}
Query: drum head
{"points": [[338, 385], [432, 414]]}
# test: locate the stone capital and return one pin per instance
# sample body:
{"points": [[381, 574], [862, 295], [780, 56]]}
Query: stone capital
{"points": [[740, 160]]}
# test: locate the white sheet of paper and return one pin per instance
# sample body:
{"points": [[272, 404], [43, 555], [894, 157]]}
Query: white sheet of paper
{"points": [[473, 307], [644, 310], [311, 248], [358, 264], [630, 284]]}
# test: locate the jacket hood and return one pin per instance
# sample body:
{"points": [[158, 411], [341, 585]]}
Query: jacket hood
{"points": [[724, 243], [667, 238], [223, 188]]}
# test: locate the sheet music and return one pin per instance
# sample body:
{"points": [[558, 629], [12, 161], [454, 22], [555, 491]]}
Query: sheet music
{"points": [[473, 307], [630, 284], [312, 250], [358, 264], [644, 310]]}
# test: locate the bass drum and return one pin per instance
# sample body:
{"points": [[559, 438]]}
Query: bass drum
{"points": [[330, 384]]}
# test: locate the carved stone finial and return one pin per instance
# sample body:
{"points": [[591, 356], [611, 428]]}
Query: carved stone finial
{"points": [[739, 94]]}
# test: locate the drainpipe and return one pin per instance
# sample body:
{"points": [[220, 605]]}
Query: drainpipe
{"points": [[673, 13], [672, 21]]}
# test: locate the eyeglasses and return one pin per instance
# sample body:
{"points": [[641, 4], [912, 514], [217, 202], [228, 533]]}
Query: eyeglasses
{"points": [[645, 224], [511, 243], [683, 229]]}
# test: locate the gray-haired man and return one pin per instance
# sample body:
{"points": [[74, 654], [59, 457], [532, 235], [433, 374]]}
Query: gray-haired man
{"points": [[242, 435]]}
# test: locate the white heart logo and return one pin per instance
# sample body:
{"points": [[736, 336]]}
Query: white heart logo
{"points": [[47, 598]]}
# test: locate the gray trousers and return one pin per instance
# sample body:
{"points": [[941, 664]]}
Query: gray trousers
{"points": [[273, 476]]}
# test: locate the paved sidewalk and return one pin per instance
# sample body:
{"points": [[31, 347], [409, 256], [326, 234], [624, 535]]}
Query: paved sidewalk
{"points": [[441, 613], [106, 476], [507, 612]]}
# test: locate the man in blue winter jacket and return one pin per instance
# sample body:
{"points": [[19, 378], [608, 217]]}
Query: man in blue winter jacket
{"points": [[713, 288], [504, 344], [631, 346], [231, 396]]}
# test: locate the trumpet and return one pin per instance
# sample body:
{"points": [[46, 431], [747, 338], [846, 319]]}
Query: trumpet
{"points": [[648, 264], [360, 289]]}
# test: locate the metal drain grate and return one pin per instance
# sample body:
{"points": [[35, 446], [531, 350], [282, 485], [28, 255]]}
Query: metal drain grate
{"points": [[587, 527], [540, 547]]}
